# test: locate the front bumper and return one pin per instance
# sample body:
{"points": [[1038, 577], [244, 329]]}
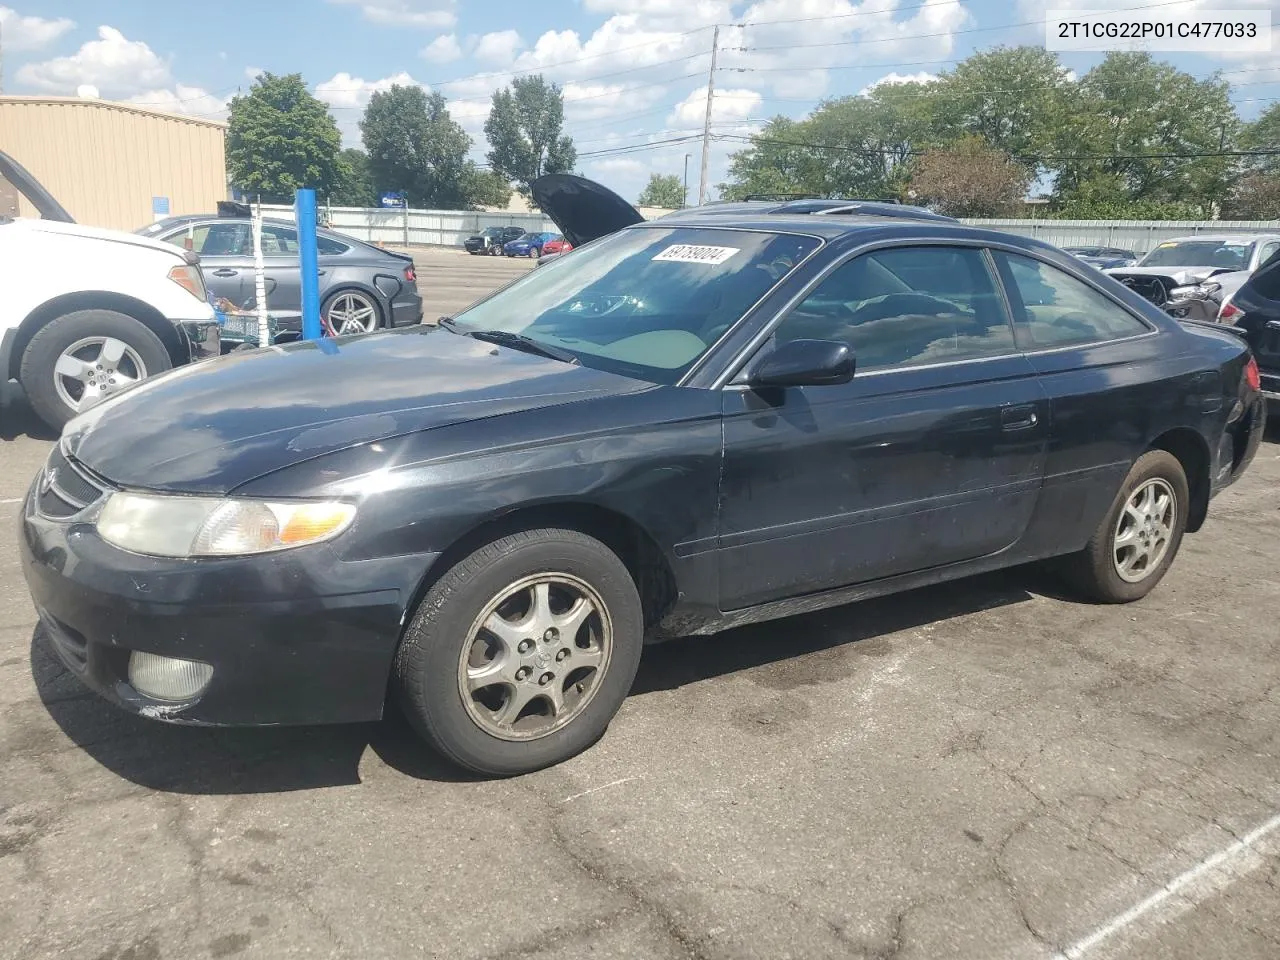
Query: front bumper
{"points": [[298, 637]]}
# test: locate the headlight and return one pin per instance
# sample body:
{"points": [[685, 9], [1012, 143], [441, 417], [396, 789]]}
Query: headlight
{"points": [[170, 526], [1194, 290]]}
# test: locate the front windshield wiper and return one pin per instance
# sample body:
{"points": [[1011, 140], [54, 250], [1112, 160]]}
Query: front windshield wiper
{"points": [[519, 341]]}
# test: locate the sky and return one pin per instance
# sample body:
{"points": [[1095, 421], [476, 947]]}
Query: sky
{"points": [[634, 72]]}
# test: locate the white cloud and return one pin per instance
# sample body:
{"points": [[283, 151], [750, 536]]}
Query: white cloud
{"points": [[442, 49], [347, 96], [88, 91], [30, 33], [252, 73], [677, 14], [118, 66], [193, 101], [727, 106], [437, 14], [895, 79], [499, 47]]}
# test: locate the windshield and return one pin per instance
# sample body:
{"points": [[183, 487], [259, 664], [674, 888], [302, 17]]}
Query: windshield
{"points": [[1231, 254], [1086, 251], [491, 232], [645, 302]]}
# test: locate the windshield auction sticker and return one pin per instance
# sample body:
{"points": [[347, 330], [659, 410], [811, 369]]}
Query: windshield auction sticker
{"points": [[692, 253], [1188, 31]]}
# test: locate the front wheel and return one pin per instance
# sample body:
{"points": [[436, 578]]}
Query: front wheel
{"points": [[520, 655], [1134, 545], [78, 360], [534, 253]]}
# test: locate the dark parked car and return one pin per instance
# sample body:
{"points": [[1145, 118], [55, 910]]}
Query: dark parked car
{"points": [[1254, 310], [1103, 257], [491, 240], [686, 425], [362, 287]]}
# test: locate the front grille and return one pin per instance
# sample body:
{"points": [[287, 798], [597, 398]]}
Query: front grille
{"points": [[1155, 289], [66, 488]]}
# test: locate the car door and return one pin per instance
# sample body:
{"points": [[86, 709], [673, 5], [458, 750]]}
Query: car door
{"points": [[226, 255], [1109, 380], [931, 455], [283, 269]]}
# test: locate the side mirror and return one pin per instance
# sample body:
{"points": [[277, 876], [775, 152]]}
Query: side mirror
{"points": [[805, 363]]}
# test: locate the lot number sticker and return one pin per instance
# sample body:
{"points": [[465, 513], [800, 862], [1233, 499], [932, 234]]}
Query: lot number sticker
{"points": [[692, 253]]}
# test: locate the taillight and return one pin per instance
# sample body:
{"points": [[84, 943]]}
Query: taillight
{"points": [[1251, 375], [410, 274], [189, 278], [1229, 313]]}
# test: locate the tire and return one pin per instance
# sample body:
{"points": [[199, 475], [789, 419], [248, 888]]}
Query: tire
{"points": [[1096, 570], [431, 673], [358, 300], [534, 253], [77, 335]]}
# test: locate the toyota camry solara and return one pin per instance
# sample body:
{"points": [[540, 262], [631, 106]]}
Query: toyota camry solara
{"points": [[724, 416]]}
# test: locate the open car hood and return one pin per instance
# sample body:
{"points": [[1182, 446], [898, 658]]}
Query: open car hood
{"points": [[29, 187], [582, 209]]}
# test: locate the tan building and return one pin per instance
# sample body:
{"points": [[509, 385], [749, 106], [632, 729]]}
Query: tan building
{"points": [[114, 164]]}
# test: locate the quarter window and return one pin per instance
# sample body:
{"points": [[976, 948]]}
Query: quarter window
{"points": [[1054, 309], [907, 306]]}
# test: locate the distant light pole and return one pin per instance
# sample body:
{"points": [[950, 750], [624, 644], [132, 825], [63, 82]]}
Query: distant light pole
{"points": [[686, 179]]}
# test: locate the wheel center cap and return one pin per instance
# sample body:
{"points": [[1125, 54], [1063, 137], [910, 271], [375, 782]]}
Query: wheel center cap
{"points": [[543, 660]]}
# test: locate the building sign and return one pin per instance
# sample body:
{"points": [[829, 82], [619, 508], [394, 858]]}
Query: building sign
{"points": [[391, 200], [159, 208]]}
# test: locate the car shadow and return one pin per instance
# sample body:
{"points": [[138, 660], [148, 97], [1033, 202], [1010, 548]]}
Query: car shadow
{"points": [[199, 760], [19, 420]]}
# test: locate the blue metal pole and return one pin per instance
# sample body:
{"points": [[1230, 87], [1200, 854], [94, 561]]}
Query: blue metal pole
{"points": [[304, 211]]}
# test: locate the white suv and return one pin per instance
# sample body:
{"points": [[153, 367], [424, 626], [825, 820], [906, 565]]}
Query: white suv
{"points": [[89, 312]]}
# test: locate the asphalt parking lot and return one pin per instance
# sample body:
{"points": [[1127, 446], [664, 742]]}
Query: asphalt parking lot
{"points": [[982, 770], [451, 279]]}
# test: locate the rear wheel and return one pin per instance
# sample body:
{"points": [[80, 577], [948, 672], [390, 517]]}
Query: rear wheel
{"points": [[520, 655], [1134, 545], [351, 312], [76, 361]]}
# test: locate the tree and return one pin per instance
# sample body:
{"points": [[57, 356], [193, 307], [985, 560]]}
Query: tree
{"points": [[970, 179], [524, 132], [1264, 134], [414, 146], [1255, 196], [1017, 99], [663, 191], [858, 147], [280, 138], [357, 189], [1131, 107], [488, 189]]}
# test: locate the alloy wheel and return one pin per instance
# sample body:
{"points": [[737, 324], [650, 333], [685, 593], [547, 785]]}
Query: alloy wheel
{"points": [[351, 312], [1144, 530], [535, 656], [94, 368]]}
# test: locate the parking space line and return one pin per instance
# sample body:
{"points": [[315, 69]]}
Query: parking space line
{"points": [[603, 786], [12, 500], [1228, 859]]}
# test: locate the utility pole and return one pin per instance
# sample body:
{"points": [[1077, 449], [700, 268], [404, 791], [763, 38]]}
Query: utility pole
{"points": [[685, 201], [1, 57], [706, 124]]}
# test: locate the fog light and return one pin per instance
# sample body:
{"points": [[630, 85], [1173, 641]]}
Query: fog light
{"points": [[168, 678]]}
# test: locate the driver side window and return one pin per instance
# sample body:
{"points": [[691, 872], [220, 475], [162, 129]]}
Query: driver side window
{"points": [[907, 306]]}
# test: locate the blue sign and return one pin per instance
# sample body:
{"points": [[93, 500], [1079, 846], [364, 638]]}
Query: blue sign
{"points": [[159, 207], [391, 200]]}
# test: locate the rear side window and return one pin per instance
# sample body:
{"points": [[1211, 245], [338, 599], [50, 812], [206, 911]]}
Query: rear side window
{"points": [[330, 248], [214, 239], [1054, 309], [279, 241], [907, 306], [1266, 282]]}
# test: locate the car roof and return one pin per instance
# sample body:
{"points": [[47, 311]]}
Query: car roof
{"points": [[828, 226]]}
